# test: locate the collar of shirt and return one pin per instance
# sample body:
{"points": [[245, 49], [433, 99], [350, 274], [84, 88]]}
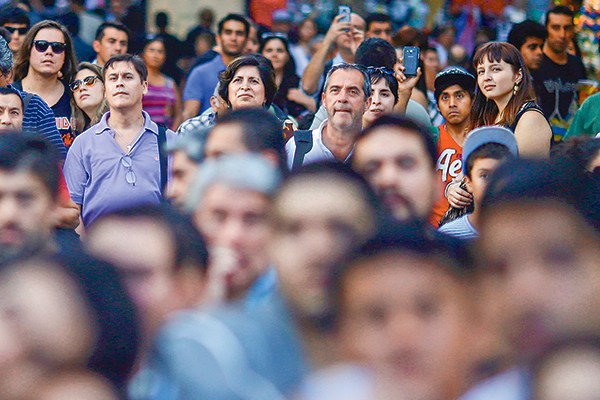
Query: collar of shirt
{"points": [[318, 137], [103, 126]]}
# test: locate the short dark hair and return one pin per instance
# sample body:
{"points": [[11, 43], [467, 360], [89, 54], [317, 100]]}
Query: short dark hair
{"points": [[397, 121], [234, 17], [265, 68], [162, 19], [14, 15], [25, 151], [580, 150], [137, 61], [377, 17], [526, 29], [376, 52], [377, 74], [110, 24], [6, 90], [522, 181], [561, 10], [261, 130], [451, 255], [188, 245], [495, 151]]}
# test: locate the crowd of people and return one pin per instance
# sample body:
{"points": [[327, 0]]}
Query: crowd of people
{"points": [[271, 213]]}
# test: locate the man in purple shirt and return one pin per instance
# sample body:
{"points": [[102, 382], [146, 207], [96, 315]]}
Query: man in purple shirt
{"points": [[116, 163]]}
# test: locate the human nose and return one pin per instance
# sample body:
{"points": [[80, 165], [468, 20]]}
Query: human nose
{"points": [[386, 177], [230, 233], [5, 118], [9, 209]]}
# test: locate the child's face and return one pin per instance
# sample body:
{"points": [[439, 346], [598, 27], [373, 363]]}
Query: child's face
{"points": [[409, 320], [480, 175]]}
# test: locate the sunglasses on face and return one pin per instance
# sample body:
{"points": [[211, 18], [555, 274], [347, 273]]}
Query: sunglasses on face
{"points": [[42, 46], [22, 31], [89, 81]]}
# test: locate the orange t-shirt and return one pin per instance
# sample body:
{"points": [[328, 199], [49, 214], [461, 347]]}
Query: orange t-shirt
{"points": [[449, 166]]}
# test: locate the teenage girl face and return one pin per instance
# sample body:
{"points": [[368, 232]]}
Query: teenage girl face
{"points": [[154, 54], [497, 79], [90, 93], [382, 101], [276, 52]]}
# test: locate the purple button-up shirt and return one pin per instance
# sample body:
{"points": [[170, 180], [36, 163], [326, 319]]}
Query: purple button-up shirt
{"points": [[96, 175]]}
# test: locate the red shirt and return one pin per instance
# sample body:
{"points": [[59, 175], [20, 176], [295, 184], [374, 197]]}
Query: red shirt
{"points": [[449, 166]]}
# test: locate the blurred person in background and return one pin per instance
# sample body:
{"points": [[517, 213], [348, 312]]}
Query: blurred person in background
{"points": [[163, 100], [379, 25], [173, 48], [88, 103], [528, 37], [301, 51], [17, 22], [289, 97], [44, 66], [112, 38]]}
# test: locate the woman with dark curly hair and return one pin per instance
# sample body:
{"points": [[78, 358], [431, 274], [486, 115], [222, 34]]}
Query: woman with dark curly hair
{"points": [[44, 66], [505, 96], [290, 98]]}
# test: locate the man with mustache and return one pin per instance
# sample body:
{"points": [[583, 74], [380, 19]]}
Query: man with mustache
{"points": [[346, 96], [397, 157], [117, 163]]}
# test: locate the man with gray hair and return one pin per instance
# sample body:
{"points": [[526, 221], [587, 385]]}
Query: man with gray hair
{"points": [[346, 96], [187, 153], [37, 116], [231, 204]]}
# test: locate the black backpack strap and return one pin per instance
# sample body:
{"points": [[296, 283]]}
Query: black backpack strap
{"points": [[304, 144], [163, 158], [26, 100]]}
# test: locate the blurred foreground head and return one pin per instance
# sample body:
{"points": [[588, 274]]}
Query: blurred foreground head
{"points": [[321, 212], [48, 327], [29, 181], [539, 252], [405, 309]]}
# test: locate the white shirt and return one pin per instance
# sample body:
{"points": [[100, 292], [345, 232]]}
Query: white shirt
{"points": [[319, 151]]}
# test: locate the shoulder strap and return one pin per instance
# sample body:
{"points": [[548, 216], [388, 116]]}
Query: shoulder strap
{"points": [[304, 143], [26, 99], [529, 106], [163, 158]]}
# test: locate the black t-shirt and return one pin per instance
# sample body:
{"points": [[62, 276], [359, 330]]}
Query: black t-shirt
{"points": [[554, 82], [62, 114]]}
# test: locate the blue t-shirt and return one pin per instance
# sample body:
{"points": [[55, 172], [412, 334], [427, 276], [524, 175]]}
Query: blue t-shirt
{"points": [[202, 82]]}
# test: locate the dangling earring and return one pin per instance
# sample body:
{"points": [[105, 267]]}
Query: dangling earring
{"points": [[516, 89]]}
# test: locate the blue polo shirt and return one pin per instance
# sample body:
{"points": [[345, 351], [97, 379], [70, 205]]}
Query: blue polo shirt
{"points": [[96, 176], [202, 82]]}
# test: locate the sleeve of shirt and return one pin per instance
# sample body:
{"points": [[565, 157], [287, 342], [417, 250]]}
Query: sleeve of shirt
{"points": [[193, 86], [76, 175], [577, 127], [44, 123]]}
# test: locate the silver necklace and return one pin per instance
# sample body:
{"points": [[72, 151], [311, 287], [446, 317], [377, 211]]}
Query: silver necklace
{"points": [[125, 140]]}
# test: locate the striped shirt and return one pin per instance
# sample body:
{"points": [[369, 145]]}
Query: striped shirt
{"points": [[39, 118], [159, 102]]}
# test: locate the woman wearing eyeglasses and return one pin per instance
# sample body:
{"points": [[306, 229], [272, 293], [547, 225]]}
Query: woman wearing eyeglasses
{"points": [[44, 66], [88, 102]]}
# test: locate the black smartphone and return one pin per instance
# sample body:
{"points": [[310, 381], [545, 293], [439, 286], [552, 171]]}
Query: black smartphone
{"points": [[345, 12], [411, 60]]}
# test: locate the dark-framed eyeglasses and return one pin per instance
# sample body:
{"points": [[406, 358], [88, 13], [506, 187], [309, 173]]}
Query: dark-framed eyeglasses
{"points": [[42, 46], [12, 30], [379, 71], [87, 81], [127, 162]]}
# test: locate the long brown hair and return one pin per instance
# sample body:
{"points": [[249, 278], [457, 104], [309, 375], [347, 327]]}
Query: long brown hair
{"points": [[79, 119], [484, 111], [22, 63]]}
